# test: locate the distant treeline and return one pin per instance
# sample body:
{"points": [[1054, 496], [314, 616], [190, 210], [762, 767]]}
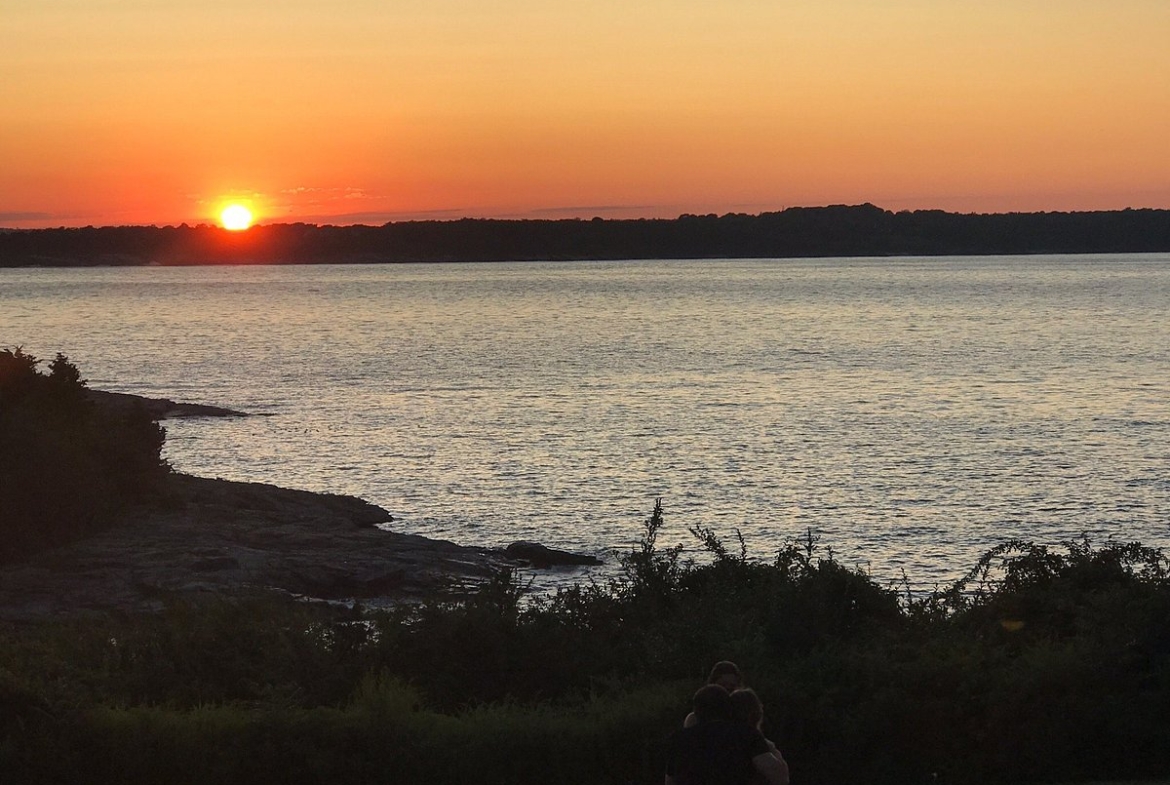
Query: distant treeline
{"points": [[863, 230]]}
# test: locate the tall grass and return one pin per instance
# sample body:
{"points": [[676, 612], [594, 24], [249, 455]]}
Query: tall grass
{"points": [[1041, 665]]}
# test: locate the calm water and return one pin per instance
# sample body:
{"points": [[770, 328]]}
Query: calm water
{"points": [[912, 412]]}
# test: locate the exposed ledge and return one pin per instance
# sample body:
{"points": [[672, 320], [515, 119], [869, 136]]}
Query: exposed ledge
{"points": [[159, 408], [217, 537]]}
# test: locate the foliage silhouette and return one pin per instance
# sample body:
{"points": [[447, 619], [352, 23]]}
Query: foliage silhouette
{"points": [[1041, 665], [67, 465]]}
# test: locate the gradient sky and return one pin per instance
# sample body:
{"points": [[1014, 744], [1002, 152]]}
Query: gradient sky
{"points": [[362, 111]]}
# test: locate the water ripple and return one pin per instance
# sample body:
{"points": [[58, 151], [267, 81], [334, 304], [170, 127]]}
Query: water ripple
{"points": [[912, 412]]}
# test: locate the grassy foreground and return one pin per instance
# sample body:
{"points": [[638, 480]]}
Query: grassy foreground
{"points": [[1040, 666]]}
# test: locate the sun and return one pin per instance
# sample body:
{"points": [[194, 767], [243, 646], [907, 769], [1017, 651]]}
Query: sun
{"points": [[235, 217]]}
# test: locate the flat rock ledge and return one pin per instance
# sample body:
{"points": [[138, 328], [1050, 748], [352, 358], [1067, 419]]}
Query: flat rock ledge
{"points": [[219, 537], [159, 408], [541, 557]]}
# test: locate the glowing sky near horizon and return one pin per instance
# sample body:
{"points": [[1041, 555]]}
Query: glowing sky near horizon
{"points": [[147, 111]]}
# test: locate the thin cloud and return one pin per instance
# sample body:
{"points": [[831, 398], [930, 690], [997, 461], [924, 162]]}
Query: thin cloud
{"points": [[376, 217], [29, 216], [586, 209]]}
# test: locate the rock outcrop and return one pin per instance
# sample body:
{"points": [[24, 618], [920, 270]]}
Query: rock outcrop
{"points": [[542, 557], [217, 536], [159, 408], [214, 537]]}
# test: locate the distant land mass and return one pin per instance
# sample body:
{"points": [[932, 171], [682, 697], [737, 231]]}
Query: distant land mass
{"points": [[863, 230]]}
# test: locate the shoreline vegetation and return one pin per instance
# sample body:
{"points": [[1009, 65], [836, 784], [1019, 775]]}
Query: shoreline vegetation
{"points": [[837, 230], [142, 535], [1042, 664]]}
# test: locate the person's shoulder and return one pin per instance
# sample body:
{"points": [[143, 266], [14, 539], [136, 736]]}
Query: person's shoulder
{"points": [[739, 735], [723, 730], [683, 736], [733, 727], [755, 742], [700, 731]]}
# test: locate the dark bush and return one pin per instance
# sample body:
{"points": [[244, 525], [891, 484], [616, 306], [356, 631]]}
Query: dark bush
{"points": [[1042, 666], [67, 466]]}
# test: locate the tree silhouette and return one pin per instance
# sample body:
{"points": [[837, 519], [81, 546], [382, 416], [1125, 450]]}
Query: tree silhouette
{"points": [[67, 466]]}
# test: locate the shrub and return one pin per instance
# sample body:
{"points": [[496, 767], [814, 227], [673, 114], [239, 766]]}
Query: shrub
{"points": [[66, 465], [1043, 665]]}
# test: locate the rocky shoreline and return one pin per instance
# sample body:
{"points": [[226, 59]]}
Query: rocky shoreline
{"points": [[214, 537], [159, 408]]}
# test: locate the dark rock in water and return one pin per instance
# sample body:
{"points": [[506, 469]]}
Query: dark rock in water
{"points": [[541, 557], [218, 537], [159, 408]]}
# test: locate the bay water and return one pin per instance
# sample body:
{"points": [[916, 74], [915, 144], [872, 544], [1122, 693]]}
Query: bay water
{"points": [[909, 412]]}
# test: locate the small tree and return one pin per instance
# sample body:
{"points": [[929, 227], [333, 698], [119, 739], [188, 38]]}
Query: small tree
{"points": [[67, 466]]}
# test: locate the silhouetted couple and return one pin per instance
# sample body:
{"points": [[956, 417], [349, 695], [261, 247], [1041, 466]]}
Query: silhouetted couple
{"points": [[721, 742]]}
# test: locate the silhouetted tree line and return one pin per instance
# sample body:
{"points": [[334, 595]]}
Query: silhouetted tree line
{"points": [[863, 230], [67, 466]]}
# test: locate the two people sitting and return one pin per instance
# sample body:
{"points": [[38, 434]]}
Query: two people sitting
{"points": [[721, 742]]}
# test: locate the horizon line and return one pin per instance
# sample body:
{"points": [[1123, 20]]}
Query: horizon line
{"points": [[434, 216]]}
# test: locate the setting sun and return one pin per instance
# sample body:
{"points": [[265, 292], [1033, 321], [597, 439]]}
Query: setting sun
{"points": [[235, 217], [575, 110]]}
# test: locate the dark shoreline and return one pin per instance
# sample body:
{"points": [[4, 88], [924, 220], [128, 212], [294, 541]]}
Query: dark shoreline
{"points": [[159, 408], [798, 232], [213, 537]]}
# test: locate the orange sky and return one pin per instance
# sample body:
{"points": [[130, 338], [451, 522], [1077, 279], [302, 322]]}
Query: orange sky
{"points": [[362, 111]]}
